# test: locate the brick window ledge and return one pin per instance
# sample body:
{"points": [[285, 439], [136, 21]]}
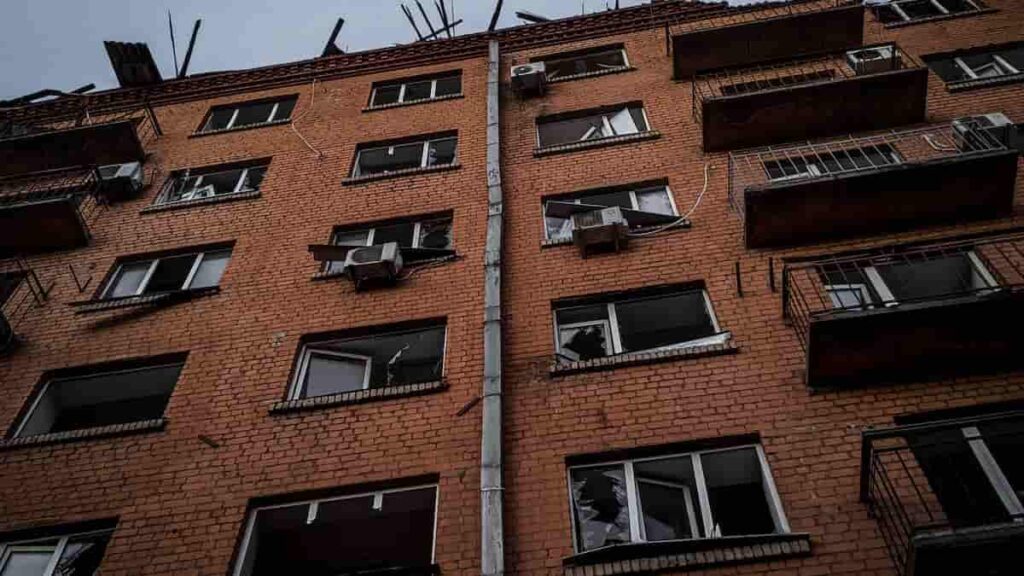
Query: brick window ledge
{"points": [[674, 555], [637, 358], [458, 96], [200, 202], [593, 74], [552, 242], [141, 426], [415, 264], [964, 85], [400, 173], [906, 23], [599, 143], [160, 299], [359, 397], [240, 128]]}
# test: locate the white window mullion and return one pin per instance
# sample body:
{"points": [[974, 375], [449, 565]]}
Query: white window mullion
{"points": [[426, 154], [416, 235], [711, 311], [312, 511], [879, 285], [241, 180], [273, 112], [778, 515], [981, 269], [192, 272], [632, 503], [401, 93], [370, 236], [902, 14], [234, 116], [607, 127], [967, 69], [702, 496], [433, 89], [51, 568], [1004, 490], [146, 278], [613, 328], [939, 6], [1010, 68], [634, 200]]}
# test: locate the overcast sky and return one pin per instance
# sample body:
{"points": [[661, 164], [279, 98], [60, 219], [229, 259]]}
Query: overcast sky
{"points": [[59, 43]]}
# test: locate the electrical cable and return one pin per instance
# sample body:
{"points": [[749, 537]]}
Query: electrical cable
{"points": [[682, 219]]}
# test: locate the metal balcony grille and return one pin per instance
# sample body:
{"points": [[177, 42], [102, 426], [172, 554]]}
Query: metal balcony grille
{"points": [[933, 479], [833, 286], [28, 294], [782, 165], [761, 12], [790, 74], [79, 186], [24, 121]]}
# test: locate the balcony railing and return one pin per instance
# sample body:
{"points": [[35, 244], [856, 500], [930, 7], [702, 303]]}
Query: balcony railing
{"points": [[22, 292], [846, 186], [945, 306], [809, 97], [31, 143], [944, 496]]}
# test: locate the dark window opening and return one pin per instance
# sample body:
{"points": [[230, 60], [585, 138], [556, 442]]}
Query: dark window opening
{"points": [[249, 114], [776, 82], [598, 61], [212, 182], [75, 555], [9, 282], [374, 361], [385, 159], [420, 239], [167, 274], [592, 126], [992, 62], [384, 530], [909, 10], [655, 200], [416, 90], [102, 399]]}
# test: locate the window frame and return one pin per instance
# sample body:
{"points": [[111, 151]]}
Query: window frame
{"points": [[154, 262], [236, 107], [604, 112], [898, 10], [614, 336], [637, 532], [298, 388], [314, 505], [371, 230], [424, 155], [597, 50], [162, 200], [1004, 67], [56, 550], [634, 201], [403, 85]]}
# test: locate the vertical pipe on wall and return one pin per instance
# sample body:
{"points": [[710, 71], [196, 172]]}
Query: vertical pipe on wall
{"points": [[492, 546]]}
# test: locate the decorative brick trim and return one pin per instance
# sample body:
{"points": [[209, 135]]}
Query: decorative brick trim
{"points": [[152, 425], [701, 554], [942, 17], [90, 306], [589, 144], [198, 134], [458, 96], [200, 202], [593, 74], [636, 358], [984, 82], [400, 173], [358, 397]]}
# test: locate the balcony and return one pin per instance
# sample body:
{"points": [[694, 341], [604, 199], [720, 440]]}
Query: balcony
{"points": [[769, 33], [947, 494], [20, 292], [809, 98], [909, 312], [47, 212], [806, 193], [29, 145]]}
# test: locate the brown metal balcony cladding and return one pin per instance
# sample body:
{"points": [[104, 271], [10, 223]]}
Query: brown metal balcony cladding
{"points": [[804, 193], [947, 495], [788, 31], [82, 138], [878, 87], [20, 292], [910, 312]]}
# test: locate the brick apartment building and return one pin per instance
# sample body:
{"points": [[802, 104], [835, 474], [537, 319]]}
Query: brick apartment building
{"points": [[715, 290]]}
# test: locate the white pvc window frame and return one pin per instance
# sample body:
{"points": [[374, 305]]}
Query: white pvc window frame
{"points": [[633, 199], [378, 498], [606, 125], [298, 388], [614, 337], [896, 7], [405, 83], [272, 117], [863, 294], [589, 54], [198, 184], [424, 156], [154, 262], [998, 62], [993, 472], [708, 529], [7, 549]]}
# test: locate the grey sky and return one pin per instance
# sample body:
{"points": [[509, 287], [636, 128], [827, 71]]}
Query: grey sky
{"points": [[59, 43]]}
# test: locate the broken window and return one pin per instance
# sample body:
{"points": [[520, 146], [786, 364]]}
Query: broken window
{"points": [[992, 62], [407, 156], [380, 359], [908, 10], [419, 239], [584, 126], [386, 530], [416, 90], [647, 206], [776, 82], [600, 60], [104, 397], [827, 161], [212, 182], [249, 114], [189, 271], [73, 555], [919, 277], [665, 321], [710, 494]]}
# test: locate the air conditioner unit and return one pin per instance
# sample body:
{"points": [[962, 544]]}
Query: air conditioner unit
{"points": [[529, 79], [873, 60], [604, 229], [381, 262], [120, 181], [987, 131]]}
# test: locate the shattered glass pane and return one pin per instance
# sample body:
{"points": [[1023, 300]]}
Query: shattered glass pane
{"points": [[584, 332], [82, 555], [600, 507], [441, 152], [655, 200], [436, 234], [219, 119], [397, 358]]}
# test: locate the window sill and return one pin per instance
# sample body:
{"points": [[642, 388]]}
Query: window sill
{"points": [[637, 358], [240, 128], [940, 18], [399, 173], [164, 298], [415, 264], [648, 557], [458, 96], [965, 85], [200, 202], [551, 243], [141, 426], [595, 74], [590, 144], [359, 397]]}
